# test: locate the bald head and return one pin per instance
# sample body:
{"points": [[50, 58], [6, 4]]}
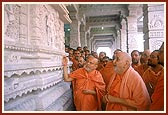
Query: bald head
{"points": [[91, 63], [125, 56], [147, 51], [94, 59], [122, 62], [145, 56]]}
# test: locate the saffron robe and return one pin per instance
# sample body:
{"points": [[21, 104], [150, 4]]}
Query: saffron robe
{"points": [[135, 65], [158, 96], [130, 87], [155, 84], [100, 66], [107, 72], [141, 69], [75, 65], [90, 81]]}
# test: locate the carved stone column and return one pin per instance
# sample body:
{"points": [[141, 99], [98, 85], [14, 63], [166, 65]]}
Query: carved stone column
{"points": [[75, 34], [82, 35], [88, 41], [118, 40], [123, 36], [132, 28], [153, 25]]}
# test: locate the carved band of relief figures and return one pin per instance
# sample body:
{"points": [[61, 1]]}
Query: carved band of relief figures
{"points": [[17, 86], [38, 101]]}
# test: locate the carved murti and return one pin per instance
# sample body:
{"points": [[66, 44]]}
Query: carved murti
{"points": [[33, 50]]}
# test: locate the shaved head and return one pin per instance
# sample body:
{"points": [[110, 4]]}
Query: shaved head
{"points": [[122, 62], [91, 63], [93, 58], [147, 51], [145, 56], [125, 56]]}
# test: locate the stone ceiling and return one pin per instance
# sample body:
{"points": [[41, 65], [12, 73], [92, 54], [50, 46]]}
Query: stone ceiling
{"points": [[100, 19]]}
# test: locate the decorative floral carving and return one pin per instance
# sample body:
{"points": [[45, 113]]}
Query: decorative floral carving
{"points": [[156, 22], [13, 58]]}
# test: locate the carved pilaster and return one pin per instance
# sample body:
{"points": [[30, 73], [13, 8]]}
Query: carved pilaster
{"points": [[123, 36], [13, 24], [75, 34], [82, 35], [154, 31]]}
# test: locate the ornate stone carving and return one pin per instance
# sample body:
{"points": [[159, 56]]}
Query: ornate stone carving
{"points": [[156, 34], [13, 58], [19, 85], [156, 22], [155, 44], [43, 100], [32, 69], [12, 15]]}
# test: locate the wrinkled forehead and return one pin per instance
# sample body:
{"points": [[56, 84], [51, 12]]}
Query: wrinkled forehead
{"points": [[123, 56], [80, 58], [92, 59], [146, 52], [119, 55]]}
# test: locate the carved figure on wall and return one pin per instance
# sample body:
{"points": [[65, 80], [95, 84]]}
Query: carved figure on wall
{"points": [[50, 29], [9, 15]]}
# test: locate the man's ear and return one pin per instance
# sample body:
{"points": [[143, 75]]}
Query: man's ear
{"points": [[96, 65], [127, 63]]}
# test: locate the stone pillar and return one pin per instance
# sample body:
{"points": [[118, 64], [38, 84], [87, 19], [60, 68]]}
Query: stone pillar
{"points": [[153, 26], [118, 40], [88, 41], [82, 35], [133, 43], [75, 34], [123, 36]]}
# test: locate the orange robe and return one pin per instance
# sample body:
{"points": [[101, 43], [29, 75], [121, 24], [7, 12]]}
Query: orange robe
{"points": [[75, 64], [107, 72], [135, 65], [130, 87], [91, 81], [158, 96], [100, 66], [156, 88], [141, 69]]}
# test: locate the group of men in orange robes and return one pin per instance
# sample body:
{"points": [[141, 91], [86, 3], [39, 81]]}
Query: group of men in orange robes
{"points": [[118, 84]]}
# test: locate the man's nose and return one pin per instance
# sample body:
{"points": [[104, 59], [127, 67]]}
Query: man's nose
{"points": [[114, 61]]}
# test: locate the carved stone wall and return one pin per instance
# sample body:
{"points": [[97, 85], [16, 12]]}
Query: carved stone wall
{"points": [[33, 50], [75, 34], [154, 29]]}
